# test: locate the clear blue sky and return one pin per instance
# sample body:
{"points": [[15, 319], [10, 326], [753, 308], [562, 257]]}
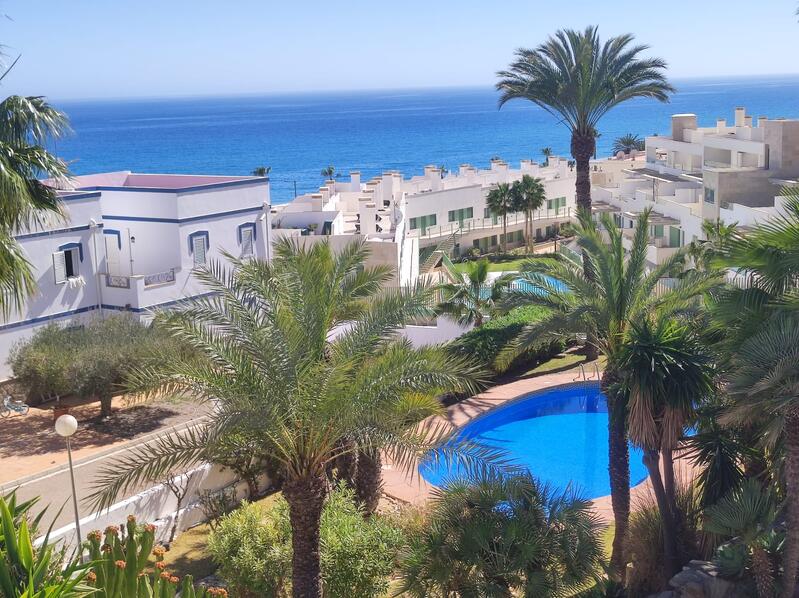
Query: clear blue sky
{"points": [[126, 48]]}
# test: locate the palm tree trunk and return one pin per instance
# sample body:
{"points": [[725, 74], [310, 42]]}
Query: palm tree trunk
{"points": [[369, 480], [345, 464], [582, 147], [306, 498], [504, 233], [670, 562], [762, 572], [668, 479], [619, 471], [791, 562]]}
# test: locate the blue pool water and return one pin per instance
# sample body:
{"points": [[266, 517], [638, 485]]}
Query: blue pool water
{"points": [[560, 435]]}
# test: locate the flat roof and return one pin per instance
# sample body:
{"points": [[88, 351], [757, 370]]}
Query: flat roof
{"points": [[654, 218], [601, 206], [132, 181]]}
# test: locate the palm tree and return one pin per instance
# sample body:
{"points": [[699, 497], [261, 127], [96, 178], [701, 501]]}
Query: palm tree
{"points": [[764, 383], [718, 235], [328, 172], [262, 171], [547, 152], [601, 298], [468, 297], [627, 144], [501, 537], [27, 125], [300, 353], [579, 79], [665, 372], [747, 515], [500, 203], [529, 194]]}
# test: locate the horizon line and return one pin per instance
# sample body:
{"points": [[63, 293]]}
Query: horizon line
{"points": [[307, 92]]}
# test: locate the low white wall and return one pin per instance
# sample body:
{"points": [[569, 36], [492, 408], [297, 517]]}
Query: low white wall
{"points": [[444, 330], [158, 505]]}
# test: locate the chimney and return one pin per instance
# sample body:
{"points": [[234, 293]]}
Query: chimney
{"points": [[463, 169], [681, 123], [355, 180], [721, 124], [740, 116], [761, 121], [748, 122]]}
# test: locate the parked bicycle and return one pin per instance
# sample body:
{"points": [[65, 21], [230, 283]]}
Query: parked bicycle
{"points": [[10, 406]]}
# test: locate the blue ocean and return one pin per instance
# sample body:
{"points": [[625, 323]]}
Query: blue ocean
{"points": [[300, 134]]}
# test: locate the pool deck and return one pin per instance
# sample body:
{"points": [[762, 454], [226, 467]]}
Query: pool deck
{"points": [[411, 488]]}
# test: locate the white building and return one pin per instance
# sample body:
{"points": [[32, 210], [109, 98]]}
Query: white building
{"points": [[402, 219], [129, 242], [730, 173]]}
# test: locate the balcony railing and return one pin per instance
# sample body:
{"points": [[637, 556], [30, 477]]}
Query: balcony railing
{"points": [[164, 277], [474, 224], [117, 282]]}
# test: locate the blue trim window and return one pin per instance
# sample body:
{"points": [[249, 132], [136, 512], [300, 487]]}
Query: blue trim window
{"points": [[247, 234], [199, 242], [66, 262]]}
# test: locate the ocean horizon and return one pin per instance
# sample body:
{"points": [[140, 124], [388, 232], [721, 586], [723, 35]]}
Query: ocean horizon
{"points": [[299, 134]]}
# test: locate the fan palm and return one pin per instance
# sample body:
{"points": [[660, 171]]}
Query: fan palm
{"points": [[628, 143], [577, 78], [469, 297], [764, 383], [746, 514], [502, 537], [261, 171], [27, 125], [529, 194], [500, 203], [328, 172], [301, 353], [602, 298], [665, 372]]}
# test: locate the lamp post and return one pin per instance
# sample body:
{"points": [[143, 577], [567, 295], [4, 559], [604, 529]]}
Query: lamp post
{"points": [[66, 426]]}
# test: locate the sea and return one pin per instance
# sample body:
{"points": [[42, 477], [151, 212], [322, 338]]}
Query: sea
{"points": [[298, 135]]}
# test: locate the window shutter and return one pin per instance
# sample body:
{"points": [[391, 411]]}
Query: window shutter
{"points": [[59, 267], [198, 244], [246, 241]]}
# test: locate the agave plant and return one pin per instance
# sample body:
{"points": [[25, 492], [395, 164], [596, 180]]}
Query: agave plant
{"points": [[28, 572]]}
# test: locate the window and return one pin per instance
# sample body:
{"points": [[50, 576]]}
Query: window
{"points": [[247, 238], [460, 215], [423, 222], [66, 262], [556, 203], [710, 195], [198, 247]]}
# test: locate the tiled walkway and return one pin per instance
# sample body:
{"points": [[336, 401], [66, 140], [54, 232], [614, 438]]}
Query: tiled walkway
{"points": [[411, 488]]}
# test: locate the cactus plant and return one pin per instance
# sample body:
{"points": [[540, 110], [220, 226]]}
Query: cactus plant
{"points": [[128, 564]]}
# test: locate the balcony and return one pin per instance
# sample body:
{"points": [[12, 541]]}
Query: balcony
{"points": [[141, 291], [485, 224]]}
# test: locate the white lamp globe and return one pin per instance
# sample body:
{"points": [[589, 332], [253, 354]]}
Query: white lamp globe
{"points": [[66, 426]]}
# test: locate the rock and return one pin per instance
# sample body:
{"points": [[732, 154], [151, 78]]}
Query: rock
{"points": [[693, 589], [684, 577]]}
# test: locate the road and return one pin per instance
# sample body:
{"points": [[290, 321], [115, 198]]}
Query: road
{"points": [[54, 488]]}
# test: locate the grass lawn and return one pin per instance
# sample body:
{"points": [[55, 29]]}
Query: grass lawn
{"points": [[509, 266], [188, 555]]}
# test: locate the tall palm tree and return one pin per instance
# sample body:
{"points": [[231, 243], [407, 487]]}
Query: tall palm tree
{"points": [[602, 298], [503, 536], [529, 194], [577, 78], [300, 353], [764, 383], [468, 297], [500, 203], [627, 144], [329, 172], [27, 125], [547, 153], [665, 372], [261, 171]]}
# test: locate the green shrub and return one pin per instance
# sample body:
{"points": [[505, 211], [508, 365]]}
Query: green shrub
{"points": [[485, 343], [89, 361], [252, 547], [645, 542]]}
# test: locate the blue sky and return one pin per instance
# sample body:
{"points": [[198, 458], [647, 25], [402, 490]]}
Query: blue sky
{"points": [[126, 48]]}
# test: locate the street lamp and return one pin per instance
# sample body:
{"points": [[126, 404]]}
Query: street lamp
{"points": [[66, 426]]}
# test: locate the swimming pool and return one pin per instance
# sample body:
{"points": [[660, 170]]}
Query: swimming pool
{"points": [[559, 434]]}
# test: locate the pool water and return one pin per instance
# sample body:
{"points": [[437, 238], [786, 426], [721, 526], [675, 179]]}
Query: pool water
{"points": [[560, 435]]}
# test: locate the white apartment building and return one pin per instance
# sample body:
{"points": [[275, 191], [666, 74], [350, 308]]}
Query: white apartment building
{"points": [[129, 242], [733, 173], [402, 219]]}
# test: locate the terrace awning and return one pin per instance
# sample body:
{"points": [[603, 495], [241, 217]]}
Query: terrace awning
{"points": [[654, 218]]}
